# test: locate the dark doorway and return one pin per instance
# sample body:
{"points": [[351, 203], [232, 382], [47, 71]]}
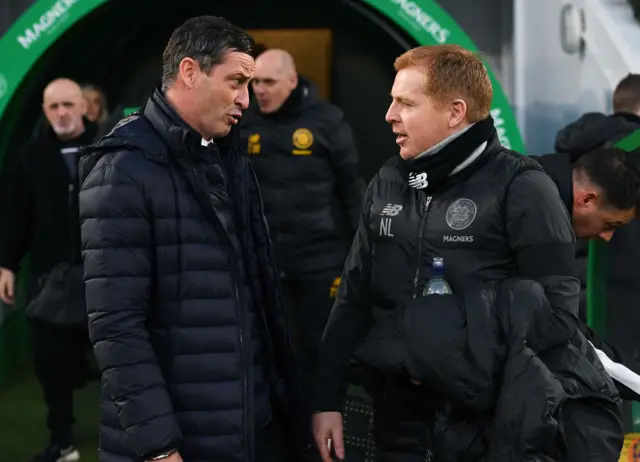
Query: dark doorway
{"points": [[119, 47]]}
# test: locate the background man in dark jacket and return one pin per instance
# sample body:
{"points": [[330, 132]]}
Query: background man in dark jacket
{"points": [[41, 216], [594, 130], [600, 191], [183, 297], [589, 132], [491, 214], [307, 165]]}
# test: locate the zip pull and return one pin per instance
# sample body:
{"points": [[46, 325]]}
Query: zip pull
{"points": [[428, 203]]}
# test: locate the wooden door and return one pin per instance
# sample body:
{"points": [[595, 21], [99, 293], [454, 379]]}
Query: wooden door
{"points": [[310, 48]]}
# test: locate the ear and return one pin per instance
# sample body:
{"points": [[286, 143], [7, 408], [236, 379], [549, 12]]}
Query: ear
{"points": [[458, 113], [188, 72], [294, 81], [584, 199]]}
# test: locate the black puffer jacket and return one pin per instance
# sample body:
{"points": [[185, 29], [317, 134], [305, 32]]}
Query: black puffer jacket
{"points": [[306, 161], [473, 349], [167, 312], [499, 217], [516, 227]]}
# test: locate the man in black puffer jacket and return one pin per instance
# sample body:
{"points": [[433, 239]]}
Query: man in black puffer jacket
{"points": [[185, 310], [491, 214]]}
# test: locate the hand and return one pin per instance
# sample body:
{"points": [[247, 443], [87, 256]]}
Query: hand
{"points": [[327, 432], [175, 457], [7, 285]]}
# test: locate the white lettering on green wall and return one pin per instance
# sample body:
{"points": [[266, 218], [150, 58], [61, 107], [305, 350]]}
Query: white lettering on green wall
{"points": [[46, 22], [426, 22]]}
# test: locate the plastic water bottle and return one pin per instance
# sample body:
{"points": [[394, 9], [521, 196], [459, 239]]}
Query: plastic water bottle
{"points": [[437, 285]]}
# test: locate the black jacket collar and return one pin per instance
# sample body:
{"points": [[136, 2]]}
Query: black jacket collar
{"points": [[174, 131], [432, 172]]}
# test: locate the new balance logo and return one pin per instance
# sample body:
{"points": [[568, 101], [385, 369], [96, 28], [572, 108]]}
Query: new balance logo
{"points": [[418, 181], [391, 210]]}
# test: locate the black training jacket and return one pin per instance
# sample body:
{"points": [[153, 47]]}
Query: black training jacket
{"points": [[498, 218], [306, 162]]}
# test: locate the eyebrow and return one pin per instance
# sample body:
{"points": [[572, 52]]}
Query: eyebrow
{"points": [[402, 98], [240, 75], [66, 101]]}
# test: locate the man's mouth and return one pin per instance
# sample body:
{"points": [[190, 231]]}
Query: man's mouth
{"points": [[235, 118], [400, 138]]}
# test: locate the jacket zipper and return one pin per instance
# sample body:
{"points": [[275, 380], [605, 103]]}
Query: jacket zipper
{"points": [[423, 220], [244, 375], [237, 274]]}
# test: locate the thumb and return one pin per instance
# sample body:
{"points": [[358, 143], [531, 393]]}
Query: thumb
{"points": [[322, 443], [337, 441]]}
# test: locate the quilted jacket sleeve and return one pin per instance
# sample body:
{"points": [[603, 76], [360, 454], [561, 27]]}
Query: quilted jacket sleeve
{"points": [[117, 251]]}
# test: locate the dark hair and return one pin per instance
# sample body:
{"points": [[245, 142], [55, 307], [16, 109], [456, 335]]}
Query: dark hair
{"points": [[626, 96], [206, 39], [616, 172], [258, 49]]}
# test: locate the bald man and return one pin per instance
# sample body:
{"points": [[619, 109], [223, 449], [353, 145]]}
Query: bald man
{"points": [[276, 80], [305, 158], [42, 217]]}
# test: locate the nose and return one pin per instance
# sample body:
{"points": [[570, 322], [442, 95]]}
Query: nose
{"points": [[243, 98], [61, 111], [392, 114], [606, 235]]}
